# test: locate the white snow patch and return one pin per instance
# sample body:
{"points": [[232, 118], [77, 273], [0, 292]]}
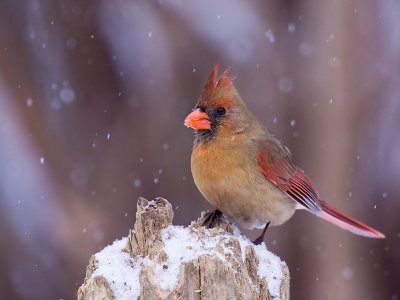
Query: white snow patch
{"points": [[243, 241], [151, 203], [120, 270], [182, 246], [269, 266]]}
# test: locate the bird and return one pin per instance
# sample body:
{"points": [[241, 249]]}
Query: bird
{"points": [[245, 172]]}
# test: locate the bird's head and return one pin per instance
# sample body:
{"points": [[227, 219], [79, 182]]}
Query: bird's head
{"points": [[219, 110]]}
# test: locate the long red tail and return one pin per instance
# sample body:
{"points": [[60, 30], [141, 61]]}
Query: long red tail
{"points": [[345, 222]]}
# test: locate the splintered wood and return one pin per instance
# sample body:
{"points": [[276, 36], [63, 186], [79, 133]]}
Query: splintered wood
{"points": [[162, 261]]}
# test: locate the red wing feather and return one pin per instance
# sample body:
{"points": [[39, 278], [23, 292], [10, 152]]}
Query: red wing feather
{"points": [[289, 178]]}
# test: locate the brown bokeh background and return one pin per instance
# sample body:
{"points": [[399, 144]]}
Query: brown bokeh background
{"points": [[92, 99]]}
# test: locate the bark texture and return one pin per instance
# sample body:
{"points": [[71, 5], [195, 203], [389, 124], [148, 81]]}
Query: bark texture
{"points": [[226, 272]]}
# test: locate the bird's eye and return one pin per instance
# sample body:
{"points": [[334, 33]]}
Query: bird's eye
{"points": [[221, 111]]}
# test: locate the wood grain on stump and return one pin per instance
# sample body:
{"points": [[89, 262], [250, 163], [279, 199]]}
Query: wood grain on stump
{"points": [[162, 261]]}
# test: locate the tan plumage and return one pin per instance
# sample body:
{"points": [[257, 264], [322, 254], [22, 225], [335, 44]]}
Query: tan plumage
{"points": [[245, 171]]}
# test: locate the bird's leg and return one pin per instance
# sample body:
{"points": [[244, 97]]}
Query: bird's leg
{"points": [[260, 239], [212, 219]]}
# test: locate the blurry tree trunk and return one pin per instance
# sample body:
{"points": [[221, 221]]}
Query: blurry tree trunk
{"points": [[332, 136]]}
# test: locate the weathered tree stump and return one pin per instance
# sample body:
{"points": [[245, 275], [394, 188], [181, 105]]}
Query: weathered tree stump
{"points": [[161, 261]]}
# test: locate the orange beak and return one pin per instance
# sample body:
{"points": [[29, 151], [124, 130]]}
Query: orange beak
{"points": [[198, 120]]}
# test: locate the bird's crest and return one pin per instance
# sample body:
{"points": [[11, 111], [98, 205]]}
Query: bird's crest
{"points": [[218, 90], [224, 79]]}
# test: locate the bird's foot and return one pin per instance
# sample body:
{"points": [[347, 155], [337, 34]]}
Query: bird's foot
{"points": [[213, 218], [260, 239]]}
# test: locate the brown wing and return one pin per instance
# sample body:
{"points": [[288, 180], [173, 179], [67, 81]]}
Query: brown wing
{"points": [[290, 179], [278, 168]]}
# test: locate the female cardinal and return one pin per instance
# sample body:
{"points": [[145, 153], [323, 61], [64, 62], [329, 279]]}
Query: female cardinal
{"points": [[247, 173]]}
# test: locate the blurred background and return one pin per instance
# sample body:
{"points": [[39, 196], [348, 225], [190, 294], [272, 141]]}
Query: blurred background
{"points": [[92, 100]]}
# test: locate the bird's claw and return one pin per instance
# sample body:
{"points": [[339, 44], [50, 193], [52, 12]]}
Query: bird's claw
{"points": [[212, 219], [260, 239]]}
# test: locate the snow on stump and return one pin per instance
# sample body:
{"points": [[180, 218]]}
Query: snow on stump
{"points": [[161, 261]]}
